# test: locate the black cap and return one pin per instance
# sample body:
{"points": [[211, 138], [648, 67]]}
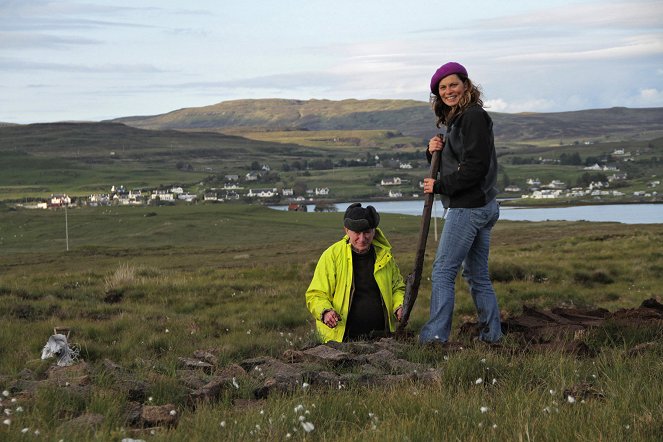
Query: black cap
{"points": [[360, 219]]}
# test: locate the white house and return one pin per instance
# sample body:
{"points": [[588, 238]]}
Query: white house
{"points": [[162, 195], [59, 200], [261, 193], [188, 197], [395, 181], [396, 194], [322, 191]]}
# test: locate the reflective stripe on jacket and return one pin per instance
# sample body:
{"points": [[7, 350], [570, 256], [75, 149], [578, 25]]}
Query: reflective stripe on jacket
{"points": [[331, 286]]}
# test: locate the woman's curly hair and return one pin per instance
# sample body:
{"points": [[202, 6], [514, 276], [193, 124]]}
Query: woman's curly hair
{"points": [[445, 114]]}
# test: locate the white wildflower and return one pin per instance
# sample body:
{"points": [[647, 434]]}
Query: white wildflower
{"points": [[552, 392], [19, 409], [478, 381], [8, 412], [7, 422], [235, 384], [299, 408], [494, 381], [302, 418], [570, 399], [288, 436], [167, 331], [483, 361], [37, 432], [308, 426], [25, 430], [173, 412], [484, 409], [546, 410], [223, 424], [150, 399], [5, 393], [305, 385]]}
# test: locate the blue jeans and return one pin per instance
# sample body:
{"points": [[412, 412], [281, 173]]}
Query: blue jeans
{"points": [[465, 241]]}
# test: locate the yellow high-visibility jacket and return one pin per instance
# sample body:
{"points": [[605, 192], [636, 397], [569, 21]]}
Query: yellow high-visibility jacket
{"points": [[332, 286]]}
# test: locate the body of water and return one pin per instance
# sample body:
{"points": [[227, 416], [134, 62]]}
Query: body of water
{"points": [[621, 213]]}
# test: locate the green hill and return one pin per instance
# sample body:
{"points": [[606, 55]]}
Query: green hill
{"points": [[311, 144], [411, 118]]}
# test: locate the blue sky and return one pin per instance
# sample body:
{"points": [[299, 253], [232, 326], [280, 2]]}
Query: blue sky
{"points": [[101, 59]]}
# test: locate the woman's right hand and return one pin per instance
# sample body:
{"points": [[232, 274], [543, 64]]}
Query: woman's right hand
{"points": [[436, 143]]}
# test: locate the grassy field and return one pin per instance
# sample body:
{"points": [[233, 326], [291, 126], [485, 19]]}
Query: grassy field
{"points": [[144, 286]]}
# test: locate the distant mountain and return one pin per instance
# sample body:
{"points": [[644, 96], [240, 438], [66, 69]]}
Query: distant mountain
{"points": [[407, 116]]}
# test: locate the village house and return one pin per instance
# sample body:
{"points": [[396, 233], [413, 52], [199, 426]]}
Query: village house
{"points": [[252, 176], [395, 194], [405, 166], [262, 193], [211, 196], [604, 168], [617, 177], [533, 183], [395, 181], [544, 194], [322, 191], [287, 192], [162, 195], [59, 200], [188, 197], [99, 199], [177, 190], [231, 177], [555, 184]]}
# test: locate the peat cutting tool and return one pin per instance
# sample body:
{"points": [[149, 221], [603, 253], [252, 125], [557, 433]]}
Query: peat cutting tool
{"points": [[413, 280]]}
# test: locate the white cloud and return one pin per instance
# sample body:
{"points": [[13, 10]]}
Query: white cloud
{"points": [[531, 105]]}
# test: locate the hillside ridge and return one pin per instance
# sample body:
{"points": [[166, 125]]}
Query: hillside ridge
{"points": [[410, 117]]}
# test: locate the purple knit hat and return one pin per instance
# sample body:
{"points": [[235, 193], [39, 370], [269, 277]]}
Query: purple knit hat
{"points": [[446, 69]]}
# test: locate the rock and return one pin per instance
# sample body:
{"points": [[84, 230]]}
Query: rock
{"points": [[86, 421], [206, 356], [640, 349], [133, 412], [72, 375], [325, 353], [195, 364], [233, 371], [192, 379], [159, 415]]}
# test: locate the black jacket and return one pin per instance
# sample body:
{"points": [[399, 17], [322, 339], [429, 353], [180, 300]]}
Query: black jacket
{"points": [[468, 166]]}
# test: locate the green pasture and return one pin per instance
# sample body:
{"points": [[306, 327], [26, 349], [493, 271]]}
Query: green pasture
{"points": [[230, 279]]}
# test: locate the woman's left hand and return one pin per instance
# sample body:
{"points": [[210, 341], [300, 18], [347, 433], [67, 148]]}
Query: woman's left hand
{"points": [[429, 184]]}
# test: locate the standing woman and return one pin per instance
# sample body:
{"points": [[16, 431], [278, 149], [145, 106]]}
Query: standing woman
{"points": [[467, 179]]}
